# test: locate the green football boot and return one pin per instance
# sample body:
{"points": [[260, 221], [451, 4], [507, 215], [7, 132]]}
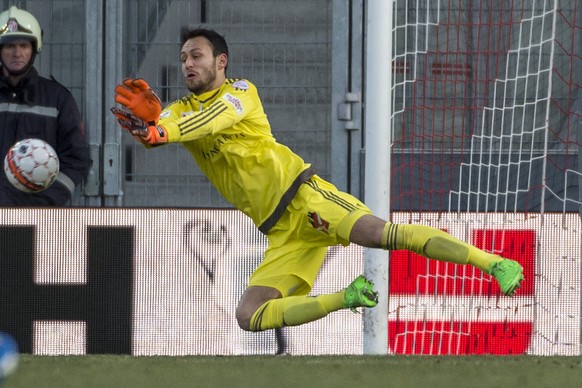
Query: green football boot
{"points": [[360, 293], [509, 275]]}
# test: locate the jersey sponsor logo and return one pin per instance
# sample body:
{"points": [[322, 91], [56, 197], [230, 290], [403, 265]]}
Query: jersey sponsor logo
{"points": [[218, 142], [165, 114], [241, 84], [317, 222], [235, 102]]}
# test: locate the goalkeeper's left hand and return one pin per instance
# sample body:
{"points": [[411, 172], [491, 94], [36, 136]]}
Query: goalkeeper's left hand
{"points": [[150, 135], [137, 96]]}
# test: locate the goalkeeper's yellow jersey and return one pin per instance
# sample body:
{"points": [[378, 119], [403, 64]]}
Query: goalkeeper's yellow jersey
{"points": [[227, 132]]}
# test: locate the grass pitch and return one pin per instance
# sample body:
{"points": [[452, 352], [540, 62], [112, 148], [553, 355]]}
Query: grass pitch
{"points": [[296, 371]]}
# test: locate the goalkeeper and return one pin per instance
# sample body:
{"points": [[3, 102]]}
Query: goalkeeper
{"points": [[223, 125]]}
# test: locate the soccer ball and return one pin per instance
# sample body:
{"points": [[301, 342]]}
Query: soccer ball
{"points": [[9, 355], [31, 165]]}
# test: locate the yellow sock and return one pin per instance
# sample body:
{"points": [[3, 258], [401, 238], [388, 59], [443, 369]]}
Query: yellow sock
{"points": [[295, 310], [436, 244]]}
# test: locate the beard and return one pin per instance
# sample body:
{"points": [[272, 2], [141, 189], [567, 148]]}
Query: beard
{"points": [[204, 83]]}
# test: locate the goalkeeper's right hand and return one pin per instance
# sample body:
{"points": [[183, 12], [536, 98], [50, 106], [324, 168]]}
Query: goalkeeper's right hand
{"points": [[149, 135], [139, 98]]}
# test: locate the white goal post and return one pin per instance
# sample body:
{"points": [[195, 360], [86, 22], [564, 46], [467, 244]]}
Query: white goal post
{"points": [[377, 141]]}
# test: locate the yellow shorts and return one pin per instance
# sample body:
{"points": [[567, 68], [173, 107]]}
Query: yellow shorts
{"points": [[318, 217]]}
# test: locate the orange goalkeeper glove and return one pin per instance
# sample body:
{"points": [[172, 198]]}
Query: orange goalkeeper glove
{"points": [[137, 96], [150, 135]]}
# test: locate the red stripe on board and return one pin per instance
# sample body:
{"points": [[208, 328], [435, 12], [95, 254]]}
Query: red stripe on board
{"points": [[411, 273], [459, 338]]}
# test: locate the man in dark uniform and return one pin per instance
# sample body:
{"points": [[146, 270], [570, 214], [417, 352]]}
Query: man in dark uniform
{"points": [[32, 106]]}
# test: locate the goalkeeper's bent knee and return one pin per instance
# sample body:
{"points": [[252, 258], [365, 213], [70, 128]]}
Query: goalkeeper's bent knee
{"points": [[294, 310]]}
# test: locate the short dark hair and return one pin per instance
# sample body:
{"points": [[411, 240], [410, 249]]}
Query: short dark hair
{"points": [[217, 41]]}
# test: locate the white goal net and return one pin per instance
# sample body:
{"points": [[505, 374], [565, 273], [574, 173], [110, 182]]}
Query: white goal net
{"points": [[487, 115]]}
